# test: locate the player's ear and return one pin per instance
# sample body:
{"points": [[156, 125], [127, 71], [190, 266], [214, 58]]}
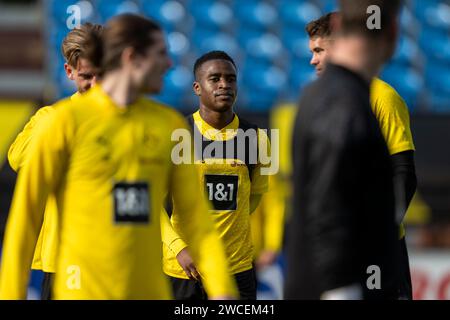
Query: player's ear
{"points": [[197, 88], [69, 71]]}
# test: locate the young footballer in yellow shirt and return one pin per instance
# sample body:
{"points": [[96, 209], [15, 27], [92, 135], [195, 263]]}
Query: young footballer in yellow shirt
{"points": [[82, 73], [232, 181], [107, 159]]}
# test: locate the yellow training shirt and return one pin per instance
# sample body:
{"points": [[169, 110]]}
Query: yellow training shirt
{"points": [[393, 118], [225, 181], [109, 168], [46, 246]]}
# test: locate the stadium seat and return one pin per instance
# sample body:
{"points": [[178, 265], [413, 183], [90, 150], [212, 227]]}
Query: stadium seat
{"points": [[177, 83], [407, 81], [434, 13], [296, 42], [263, 82], [408, 52], [297, 13], [301, 73], [436, 44], [168, 13], [110, 8], [265, 46], [328, 5], [207, 40], [255, 14], [211, 14], [179, 45]]}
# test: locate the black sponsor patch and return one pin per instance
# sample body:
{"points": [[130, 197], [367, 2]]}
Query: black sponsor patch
{"points": [[131, 202], [222, 191]]}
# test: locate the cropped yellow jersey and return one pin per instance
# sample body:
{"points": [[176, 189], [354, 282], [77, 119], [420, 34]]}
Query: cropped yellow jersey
{"points": [[109, 168], [268, 219], [46, 246], [393, 118], [228, 181]]}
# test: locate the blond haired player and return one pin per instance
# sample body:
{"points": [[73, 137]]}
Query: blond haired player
{"points": [[83, 74]]}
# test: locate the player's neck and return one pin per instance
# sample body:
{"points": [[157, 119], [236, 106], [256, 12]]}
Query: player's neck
{"points": [[217, 120], [118, 87], [356, 54]]}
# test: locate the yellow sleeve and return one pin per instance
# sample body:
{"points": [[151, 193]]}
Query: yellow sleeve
{"points": [[274, 211], [191, 219], [19, 148], [169, 236], [38, 177], [260, 179], [393, 117]]}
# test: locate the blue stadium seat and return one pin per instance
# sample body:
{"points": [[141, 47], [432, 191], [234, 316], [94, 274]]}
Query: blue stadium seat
{"points": [[301, 73], [262, 83], [329, 5], [265, 46], [177, 83], [297, 13], [211, 14], [407, 51], [434, 13], [407, 81], [296, 41], [207, 40], [435, 44], [110, 8], [178, 44], [437, 77], [167, 13], [255, 14]]}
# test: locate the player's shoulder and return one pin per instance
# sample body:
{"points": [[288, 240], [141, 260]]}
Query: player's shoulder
{"points": [[383, 95], [163, 111]]}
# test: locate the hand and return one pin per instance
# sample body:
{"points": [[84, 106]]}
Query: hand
{"points": [[265, 259], [186, 262]]}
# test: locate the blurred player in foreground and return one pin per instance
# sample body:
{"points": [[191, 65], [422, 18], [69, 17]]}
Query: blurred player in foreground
{"points": [[392, 115], [106, 157], [343, 236], [233, 180], [82, 73]]}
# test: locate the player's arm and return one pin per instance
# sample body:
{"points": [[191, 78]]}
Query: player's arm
{"points": [[405, 181], [273, 204], [19, 148], [191, 219], [39, 176], [174, 242], [393, 116]]}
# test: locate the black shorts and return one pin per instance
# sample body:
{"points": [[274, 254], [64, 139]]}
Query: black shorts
{"points": [[185, 289], [47, 281]]}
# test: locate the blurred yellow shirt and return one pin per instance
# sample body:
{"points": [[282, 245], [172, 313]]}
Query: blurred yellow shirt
{"points": [[46, 246], [109, 169]]}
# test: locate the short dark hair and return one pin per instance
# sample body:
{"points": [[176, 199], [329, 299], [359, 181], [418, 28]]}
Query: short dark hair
{"points": [[212, 55], [321, 27], [354, 16]]}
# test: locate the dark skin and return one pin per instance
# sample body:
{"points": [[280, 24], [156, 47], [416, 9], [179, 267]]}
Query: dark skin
{"points": [[216, 87]]}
